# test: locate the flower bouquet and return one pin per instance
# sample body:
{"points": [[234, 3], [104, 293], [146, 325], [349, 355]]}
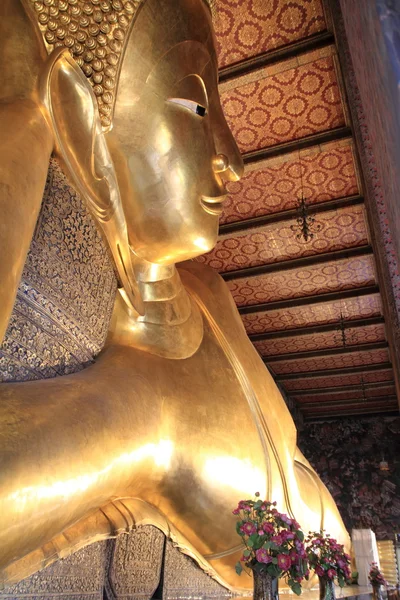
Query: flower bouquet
{"points": [[329, 561], [377, 580], [274, 547]]}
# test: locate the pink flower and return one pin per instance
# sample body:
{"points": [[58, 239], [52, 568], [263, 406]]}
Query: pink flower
{"points": [[248, 528], [295, 524], [331, 573], [260, 532], [284, 561], [319, 571], [235, 512], [294, 557], [268, 528], [341, 563], [243, 505], [262, 556], [287, 535]]}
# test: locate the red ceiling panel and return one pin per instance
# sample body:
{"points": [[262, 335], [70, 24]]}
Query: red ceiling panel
{"points": [[313, 314], [304, 281], [246, 28], [276, 185], [265, 109], [338, 229]]}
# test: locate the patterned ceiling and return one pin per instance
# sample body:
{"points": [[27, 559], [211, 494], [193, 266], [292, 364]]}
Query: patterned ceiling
{"points": [[311, 307]]}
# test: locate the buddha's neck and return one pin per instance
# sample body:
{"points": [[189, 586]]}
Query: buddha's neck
{"points": [[171, 325]]}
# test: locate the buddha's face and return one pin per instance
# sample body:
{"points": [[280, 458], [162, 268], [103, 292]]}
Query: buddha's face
{"points": [[172, 149]]}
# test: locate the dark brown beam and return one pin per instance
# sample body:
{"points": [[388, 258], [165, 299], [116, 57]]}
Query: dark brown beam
{"points": [[328, 352], [309, 300], [334, 372], [341, 388], [343, 403], [355, 323], [319, 40], [372, 413], [287, 215], [295, 263], [346, 410], [332, 135]]}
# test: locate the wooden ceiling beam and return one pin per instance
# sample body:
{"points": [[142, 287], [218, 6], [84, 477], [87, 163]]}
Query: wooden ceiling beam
{"points": [[349, 324], [328, 352], [390, 412], [343, 403], [341, 388], [333, 372], [314, 42], [297, 263], [288, 215], [331, 135], [309, 300]]}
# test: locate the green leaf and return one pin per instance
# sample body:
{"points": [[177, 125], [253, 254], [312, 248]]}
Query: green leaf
{"points": [[250, 542], [254, 539], [296, 588], [300, 536], [267, 545], [246, 553], [274, 561], [238, 568], [273, 570]]}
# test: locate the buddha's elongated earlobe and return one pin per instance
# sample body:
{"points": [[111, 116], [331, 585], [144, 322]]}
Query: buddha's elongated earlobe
{"points": [[80, 143]]}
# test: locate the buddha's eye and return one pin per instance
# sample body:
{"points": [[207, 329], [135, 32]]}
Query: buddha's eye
{"points": [[195, 107]]}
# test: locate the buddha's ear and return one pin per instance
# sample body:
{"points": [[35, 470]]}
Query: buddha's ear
{"points": [[72, 110]]}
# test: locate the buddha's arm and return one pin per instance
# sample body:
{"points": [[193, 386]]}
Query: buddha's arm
{"points": [[70, 444], [25, 147]]}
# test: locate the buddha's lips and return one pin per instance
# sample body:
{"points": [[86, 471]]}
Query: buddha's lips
{"points": [[212, 205]]}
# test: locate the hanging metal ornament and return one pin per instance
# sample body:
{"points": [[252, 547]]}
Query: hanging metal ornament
{"points": [[305, 227]]}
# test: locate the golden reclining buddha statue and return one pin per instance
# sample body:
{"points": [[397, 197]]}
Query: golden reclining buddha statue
{"points": [[178, 418]]}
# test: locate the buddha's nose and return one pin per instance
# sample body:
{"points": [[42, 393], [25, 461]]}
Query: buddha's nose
{"points": [[231, 169]]}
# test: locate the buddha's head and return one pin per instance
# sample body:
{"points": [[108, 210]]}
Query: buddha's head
{"points": [[155, 141]]}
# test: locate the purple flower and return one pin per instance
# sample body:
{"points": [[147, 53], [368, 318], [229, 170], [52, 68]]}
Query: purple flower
{"points": [[277, 539], [286, 519]]}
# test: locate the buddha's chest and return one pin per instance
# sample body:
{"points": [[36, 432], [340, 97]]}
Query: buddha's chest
{"points": [[206, 408]]}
